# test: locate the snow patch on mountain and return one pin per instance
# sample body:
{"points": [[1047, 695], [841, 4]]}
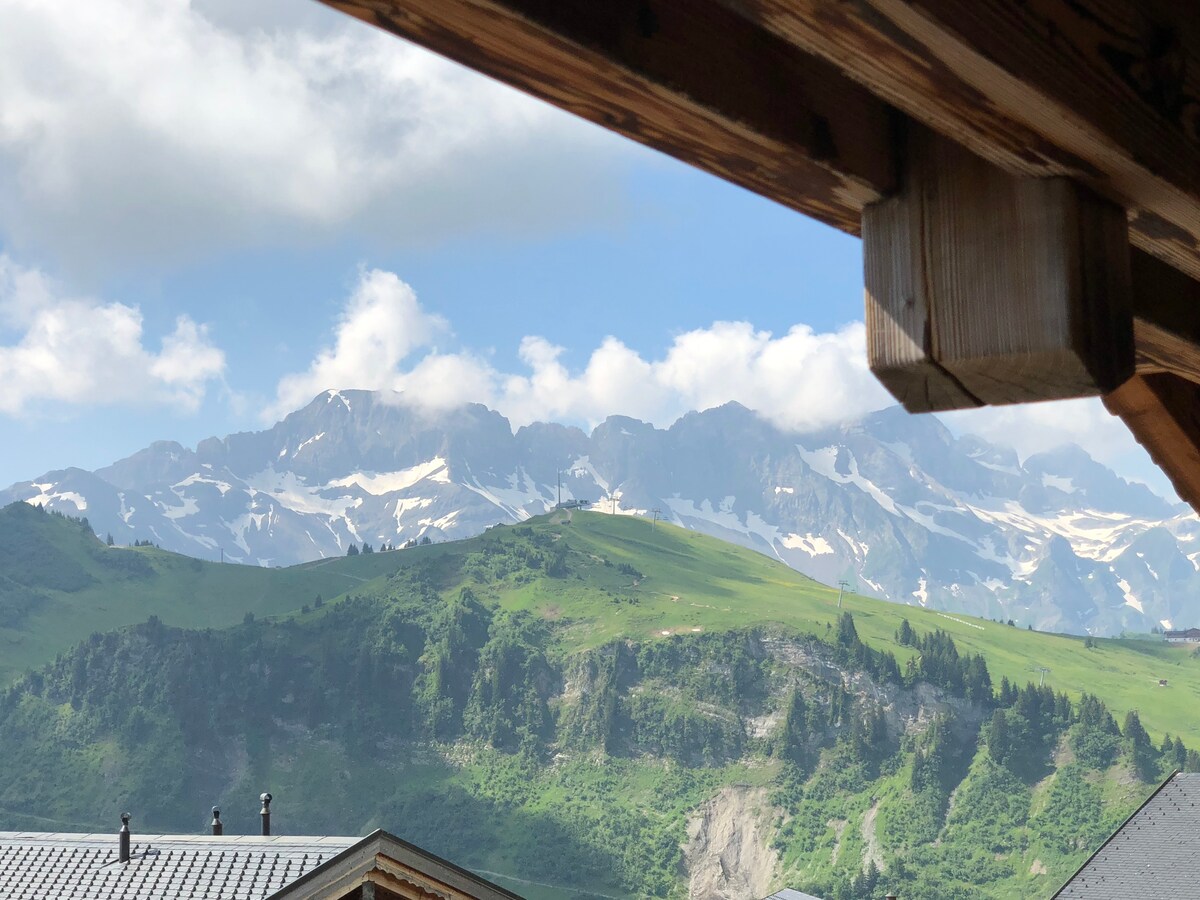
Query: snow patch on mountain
{"points": [[825, 462], [311, 440], [381, 483], [922, 593], [1127, 591], [51, 498], [812, 544]]}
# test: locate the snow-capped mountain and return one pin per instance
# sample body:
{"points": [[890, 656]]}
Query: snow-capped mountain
{"points": [[895, 504]]}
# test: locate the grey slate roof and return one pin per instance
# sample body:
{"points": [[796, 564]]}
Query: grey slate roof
{"points": [[36, 866], [1155, 854], [789, 894]]}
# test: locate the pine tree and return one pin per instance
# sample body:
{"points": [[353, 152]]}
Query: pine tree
{"points": [[998, 742], [352, 550], [847, 634], [1193, 762], [1008, 693], [1139, 747], [795, 731]]}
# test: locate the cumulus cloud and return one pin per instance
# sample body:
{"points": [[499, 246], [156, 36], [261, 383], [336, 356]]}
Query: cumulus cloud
{"points": [[381, 325], [383, 340], [78, 350], [148, 130], [801, 380]]}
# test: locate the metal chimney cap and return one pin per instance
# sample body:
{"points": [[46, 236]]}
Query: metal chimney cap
{"points": [[266, 798], [216, 812], [125, 817]]}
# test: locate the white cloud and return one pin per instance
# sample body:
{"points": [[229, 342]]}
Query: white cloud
{"points": [[381, 325], [77, 350], [800, 380], [154, 129]]}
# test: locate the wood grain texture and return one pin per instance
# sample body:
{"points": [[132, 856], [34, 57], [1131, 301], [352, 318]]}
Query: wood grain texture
{"points": [[1106, 92], [689, 77], [986, 287], [1163, 412], [1166, 318], [899, 325]]}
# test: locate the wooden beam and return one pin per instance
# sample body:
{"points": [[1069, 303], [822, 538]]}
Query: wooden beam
{"points": [[988, 288], [797, 100], [1163, 412], [1166, 318], [1104, 91], [690, 78], [658, 73]]}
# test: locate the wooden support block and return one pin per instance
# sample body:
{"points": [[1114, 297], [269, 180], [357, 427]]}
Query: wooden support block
{"points": [[1166, 318], [1163, 412], [987, 288]]}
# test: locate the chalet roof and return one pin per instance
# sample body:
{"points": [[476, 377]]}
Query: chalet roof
{"points": [[36, 865], [1156, 853], [790, 894]]}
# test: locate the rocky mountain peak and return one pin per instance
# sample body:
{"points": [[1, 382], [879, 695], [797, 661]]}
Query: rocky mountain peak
{"points": [[894, 503]]}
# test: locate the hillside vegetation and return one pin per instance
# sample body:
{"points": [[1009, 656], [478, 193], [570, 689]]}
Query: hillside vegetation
{"points": [[59, 583], [596, 705]]}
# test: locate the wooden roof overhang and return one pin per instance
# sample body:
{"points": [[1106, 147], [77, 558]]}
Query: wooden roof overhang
{"points": [[1025, 175], [381, 866]]}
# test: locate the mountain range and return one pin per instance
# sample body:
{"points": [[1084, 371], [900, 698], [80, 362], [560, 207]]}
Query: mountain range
{"points": [[894, 505]]}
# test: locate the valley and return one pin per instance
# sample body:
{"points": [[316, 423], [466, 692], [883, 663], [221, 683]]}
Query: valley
{"points": [[654, 706]]}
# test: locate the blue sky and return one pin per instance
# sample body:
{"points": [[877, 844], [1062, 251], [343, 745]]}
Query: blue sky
{"points": [[201, 229]]}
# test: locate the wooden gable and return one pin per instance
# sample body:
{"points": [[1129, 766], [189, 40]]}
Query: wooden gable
{"points": [[383, 867]]}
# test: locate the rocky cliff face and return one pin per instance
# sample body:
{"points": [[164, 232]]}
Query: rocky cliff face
{"points": [[895, 504]]}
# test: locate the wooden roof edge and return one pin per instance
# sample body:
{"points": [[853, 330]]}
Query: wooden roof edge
{"points": [[1115, 109], [804, 102], [351, 866], [662, 75], [1163, 413]]}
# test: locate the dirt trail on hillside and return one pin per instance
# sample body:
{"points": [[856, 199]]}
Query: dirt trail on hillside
{"points": [[728, 854], [873, 854]]}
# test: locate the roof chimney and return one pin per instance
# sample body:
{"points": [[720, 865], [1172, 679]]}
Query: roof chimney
{"points": [[123, 839], [217, 827], [265, 812]]}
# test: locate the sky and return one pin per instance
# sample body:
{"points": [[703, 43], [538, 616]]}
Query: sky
{"points": [[211, 211]]}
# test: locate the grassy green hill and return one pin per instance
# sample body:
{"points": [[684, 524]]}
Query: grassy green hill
{"points": [[570, 702], [59, 583], [685, 582]]}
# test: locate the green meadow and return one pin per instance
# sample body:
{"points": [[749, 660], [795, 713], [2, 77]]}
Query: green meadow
{"points": [[627, 578]]}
